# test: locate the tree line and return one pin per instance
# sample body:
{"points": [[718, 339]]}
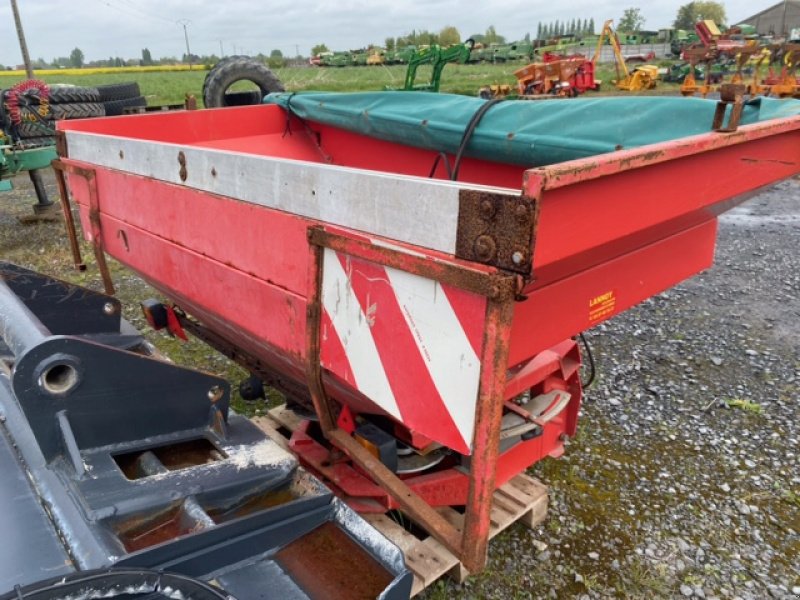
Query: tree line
{"points": [[632, 20], [576, 27]]}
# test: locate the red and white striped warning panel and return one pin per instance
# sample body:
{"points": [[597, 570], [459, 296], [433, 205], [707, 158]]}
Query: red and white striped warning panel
{"points": [[411, 345]]}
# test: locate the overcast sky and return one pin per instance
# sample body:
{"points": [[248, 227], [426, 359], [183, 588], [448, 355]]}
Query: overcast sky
{"points": [[103, 28]]}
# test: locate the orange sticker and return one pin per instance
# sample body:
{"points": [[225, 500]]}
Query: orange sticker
{"points": [[602, 306]]}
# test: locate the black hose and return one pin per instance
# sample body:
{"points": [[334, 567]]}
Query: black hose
{"points": [[289, 114], [473, 123], [441, 156], [592, 367]]}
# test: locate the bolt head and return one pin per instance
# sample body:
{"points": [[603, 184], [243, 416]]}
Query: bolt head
{"points": [[487, 209]]}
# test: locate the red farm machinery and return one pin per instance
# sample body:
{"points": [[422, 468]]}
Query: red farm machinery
{"points": [[413, 289]]}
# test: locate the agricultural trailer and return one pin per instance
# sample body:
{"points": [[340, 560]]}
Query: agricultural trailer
{"points": [[415, 268]]}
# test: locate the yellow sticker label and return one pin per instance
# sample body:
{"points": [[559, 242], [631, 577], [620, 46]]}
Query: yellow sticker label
{"points": [[602, 306]]}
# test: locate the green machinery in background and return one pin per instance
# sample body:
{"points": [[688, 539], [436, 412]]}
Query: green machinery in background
{"points": [[437, 57], [15, 159], [29, 152]]}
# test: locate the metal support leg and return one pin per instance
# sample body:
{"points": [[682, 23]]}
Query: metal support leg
{"points": [[44, 205]]}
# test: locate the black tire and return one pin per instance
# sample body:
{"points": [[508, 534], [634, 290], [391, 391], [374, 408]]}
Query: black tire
{"points": [[67, 94], [226, 74], [118, 91], [36, 129], [252, 388], [117, 107], [78, 110], [243, 98], [218, 66]]}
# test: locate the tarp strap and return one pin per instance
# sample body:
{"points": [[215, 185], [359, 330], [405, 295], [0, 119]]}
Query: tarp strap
{"points": [[289, 113], [471, 126]]}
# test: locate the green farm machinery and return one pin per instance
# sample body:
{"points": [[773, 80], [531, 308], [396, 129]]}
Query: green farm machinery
{"points": [[437, 57], [26, 140]]}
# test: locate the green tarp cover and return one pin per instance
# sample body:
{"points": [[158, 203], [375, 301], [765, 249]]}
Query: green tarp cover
{"points": [[528, 133]]}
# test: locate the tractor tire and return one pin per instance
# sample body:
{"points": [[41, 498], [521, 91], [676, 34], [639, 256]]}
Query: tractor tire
{"points": [[217, 67], [243, 98], [78, 110], [117, 107], [66, 94], [237, 69], [36, 129], [118, 91]]}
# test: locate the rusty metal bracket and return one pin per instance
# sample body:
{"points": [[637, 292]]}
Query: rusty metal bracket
{"points": [[479, 280], [94, 218], [61, 144], [497, 230], [730, 94], [412, 504], [469, 543], [69, 221]]}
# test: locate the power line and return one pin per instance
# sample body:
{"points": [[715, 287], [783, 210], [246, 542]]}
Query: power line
{"points": [[137, 8], [124, 9]]}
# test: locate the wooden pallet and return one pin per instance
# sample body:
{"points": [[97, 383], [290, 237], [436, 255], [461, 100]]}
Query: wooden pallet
{"points": [[523, 499]]}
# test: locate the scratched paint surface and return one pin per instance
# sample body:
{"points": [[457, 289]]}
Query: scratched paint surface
{"points": [[409, 344]]}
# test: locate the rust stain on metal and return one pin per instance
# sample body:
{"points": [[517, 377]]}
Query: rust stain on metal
{"points": [[486, 436], [730, 95], [788, 163], [491, 285], [94, 219], [182, 173], [61, 144], [586, 169], [342, 570], [139, 533], [69, 222], [496, 229]]}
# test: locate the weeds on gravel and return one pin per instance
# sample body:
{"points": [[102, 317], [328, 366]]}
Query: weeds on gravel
{"points": [[746, 405], [791, 497], [641, 581]]}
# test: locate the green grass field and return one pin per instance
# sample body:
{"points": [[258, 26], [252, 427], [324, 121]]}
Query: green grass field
{"points": [[171, 87]]}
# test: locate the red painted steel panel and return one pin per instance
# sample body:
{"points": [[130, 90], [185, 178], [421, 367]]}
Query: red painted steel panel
{"points": [[188, 127], [590, 221], [265, 243], [247, 303], [574, 304]]}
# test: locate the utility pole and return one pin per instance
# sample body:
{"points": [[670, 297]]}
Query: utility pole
{"points": [[785, 32], [221, 51], [22, 45], [185, 23], [44, 208]]}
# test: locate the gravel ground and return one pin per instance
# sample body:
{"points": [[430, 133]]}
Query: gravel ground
{"points": [[684, 480]]}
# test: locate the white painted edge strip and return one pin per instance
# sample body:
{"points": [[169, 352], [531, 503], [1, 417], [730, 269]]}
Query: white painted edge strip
{"points": [[415, 210], [443, 345], [353, 329]]}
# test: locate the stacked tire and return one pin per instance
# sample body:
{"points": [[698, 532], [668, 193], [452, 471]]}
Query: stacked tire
{"points": [[231, 70], [64, 102], [116, 97]]}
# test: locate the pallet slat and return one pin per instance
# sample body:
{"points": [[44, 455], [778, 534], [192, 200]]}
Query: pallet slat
{"points": [[523, 499]]}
